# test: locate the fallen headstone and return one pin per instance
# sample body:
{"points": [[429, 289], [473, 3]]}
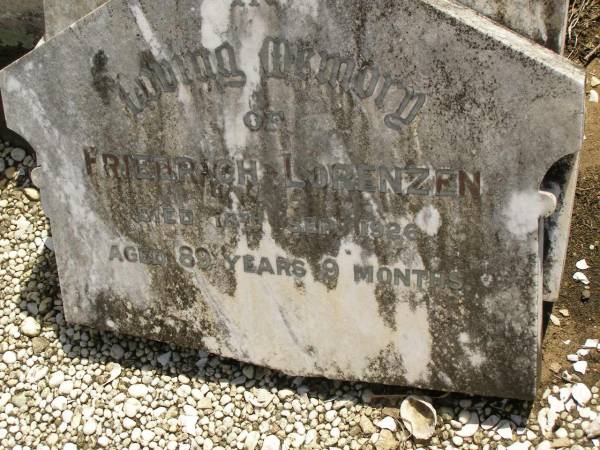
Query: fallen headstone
{"points": [[327, 190]]}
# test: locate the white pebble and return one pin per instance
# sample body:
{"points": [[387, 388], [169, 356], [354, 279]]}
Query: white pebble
{"points": [[30, 327], [387, 423], [251, 440], [129, 424], [457, 440], [148, 435], [131, 407], [561, 433], [504, 430], [164, 359], [56, 379], [580, 367], [490, 422], [116, 351], [582, 265], [9, 357], [36, 373], [59, 403], [471, 427], [89, 427], [18, 154], [66, 387], [581, 393], [580, 276], [271, 443], [556, 405], [330, 415], [138, 390]]}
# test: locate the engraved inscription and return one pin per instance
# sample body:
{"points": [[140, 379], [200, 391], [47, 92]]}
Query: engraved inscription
{"points": [[280, 59], [408, 181], [201, 258], [164, 215], [284, 60], [410, 278]]}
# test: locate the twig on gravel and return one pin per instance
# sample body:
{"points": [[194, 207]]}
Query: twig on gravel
{"points": [[592, 53]]}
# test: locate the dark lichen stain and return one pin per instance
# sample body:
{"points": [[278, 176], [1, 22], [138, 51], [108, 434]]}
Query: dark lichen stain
{"points": [[155, 321], [102, 82], [387, 367], [387, 300]]}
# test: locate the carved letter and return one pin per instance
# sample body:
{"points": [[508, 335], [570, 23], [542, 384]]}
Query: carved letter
{"points": [[359, 87], [331, 71], [407, 111], [276, 58], [229, 71]]}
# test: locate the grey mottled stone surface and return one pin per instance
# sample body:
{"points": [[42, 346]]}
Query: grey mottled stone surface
{"points": [[541, 20], [544, 21], [59, 14], [322, 187]]}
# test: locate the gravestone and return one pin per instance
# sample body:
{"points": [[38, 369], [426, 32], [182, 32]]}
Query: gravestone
{"points": [[544, 21], [322, 187]]}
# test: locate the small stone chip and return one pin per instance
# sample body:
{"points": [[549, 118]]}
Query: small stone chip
{"points": [[555, 367]]}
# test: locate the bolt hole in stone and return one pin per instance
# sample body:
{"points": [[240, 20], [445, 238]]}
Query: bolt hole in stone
{"points": [[561, 181]]}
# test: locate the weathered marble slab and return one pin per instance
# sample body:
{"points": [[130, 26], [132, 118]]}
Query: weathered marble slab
{"points": [[327, 190], [544, 21]]}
